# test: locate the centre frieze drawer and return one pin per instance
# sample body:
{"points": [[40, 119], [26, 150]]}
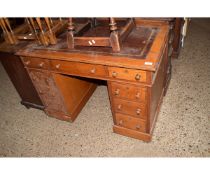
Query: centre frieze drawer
{"points": [[76, 68]]}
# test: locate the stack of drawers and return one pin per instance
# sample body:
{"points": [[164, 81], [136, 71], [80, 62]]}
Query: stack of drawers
{"points": [[45, 86], [136, 96], [128, 91], [129, 105]]}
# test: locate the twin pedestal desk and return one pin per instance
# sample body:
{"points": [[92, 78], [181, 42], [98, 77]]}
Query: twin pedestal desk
{"points": [[137, 78]]}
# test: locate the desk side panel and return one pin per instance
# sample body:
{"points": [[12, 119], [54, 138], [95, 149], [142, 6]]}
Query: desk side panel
{"points": [[21, 80]]}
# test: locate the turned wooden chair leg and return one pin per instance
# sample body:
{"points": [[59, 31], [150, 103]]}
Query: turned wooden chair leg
{"points": [[70, 34], [51, 34], [114, 36], [44, 40]]}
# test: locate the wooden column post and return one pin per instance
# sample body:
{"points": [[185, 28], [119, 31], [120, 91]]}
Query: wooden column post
{"points": [[70, 34], [114, 37]]}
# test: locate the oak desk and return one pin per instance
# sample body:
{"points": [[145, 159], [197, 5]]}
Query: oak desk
{"points": [[136, 78]]}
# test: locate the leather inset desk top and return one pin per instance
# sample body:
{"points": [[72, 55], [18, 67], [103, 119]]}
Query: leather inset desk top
{"points": [[136, 45]]}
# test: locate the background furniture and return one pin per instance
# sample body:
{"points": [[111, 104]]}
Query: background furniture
{"points": [[178, 24], [19, 38], [16, 71], [20, 79]]}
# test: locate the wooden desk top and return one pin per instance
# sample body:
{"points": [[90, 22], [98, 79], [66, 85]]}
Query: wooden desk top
{"points": [[142, 49]]}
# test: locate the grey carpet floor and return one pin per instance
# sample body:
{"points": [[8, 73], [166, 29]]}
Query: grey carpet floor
{"points": [[182, 128]]}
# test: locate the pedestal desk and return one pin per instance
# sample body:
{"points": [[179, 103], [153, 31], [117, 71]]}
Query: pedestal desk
{"points": [[136, 77]]}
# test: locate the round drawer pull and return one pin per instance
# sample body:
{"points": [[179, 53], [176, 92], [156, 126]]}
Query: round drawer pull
{"points": [[27, 62], [41, 64], [33, 77], [53, 94], [138, 111], [47, 81], [138, 127], [114, 74], [117, 92], [138, 95], [137, 77], [119, 107], [93, 70], [57, 66], [120, 122]]}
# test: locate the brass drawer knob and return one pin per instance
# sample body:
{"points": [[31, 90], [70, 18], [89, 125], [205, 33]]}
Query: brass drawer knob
{"points": [[27, 62], [114, 74], [120, 122], [138, 127], [138, 95], [33, 77], [93, 70], [47, 81], [138, 111], [117, 92], [137, 77], [57, 66], [41, 64], [119, 107]]}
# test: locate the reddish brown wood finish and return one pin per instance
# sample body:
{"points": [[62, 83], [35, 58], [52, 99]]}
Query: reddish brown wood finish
{"points": [[133, 93], [62, 96], [130, 122], [114, 39], [131, 108], [135, 86]]}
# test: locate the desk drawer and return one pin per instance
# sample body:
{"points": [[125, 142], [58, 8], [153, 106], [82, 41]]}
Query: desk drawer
{"points": [[131, 108], [127, 74], [36, 63], [130, 122], [129, 92], [79, 68]]}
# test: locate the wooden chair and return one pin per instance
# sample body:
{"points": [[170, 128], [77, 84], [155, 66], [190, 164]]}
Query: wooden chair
{"points": [[113, 40], [44, 31]]}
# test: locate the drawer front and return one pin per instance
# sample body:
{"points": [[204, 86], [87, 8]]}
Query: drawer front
{"points": [[129, 92], [131, 108], [79, 68], [127, 74], [130, 122], [36, 63]]}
